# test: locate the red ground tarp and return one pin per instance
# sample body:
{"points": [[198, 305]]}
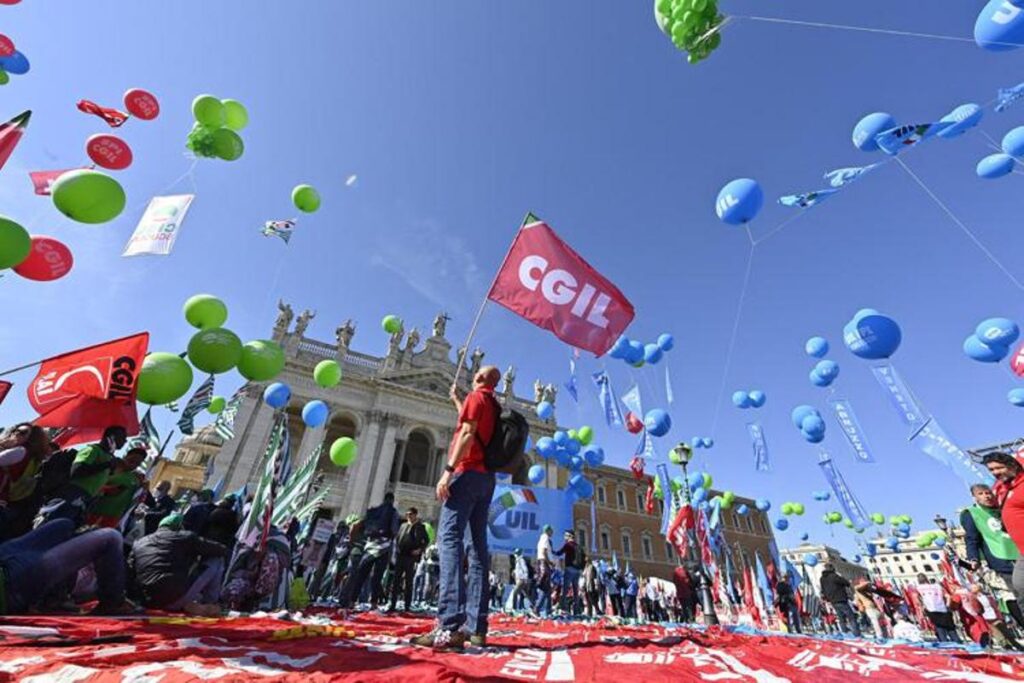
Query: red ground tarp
{"points": [[245, 649]]}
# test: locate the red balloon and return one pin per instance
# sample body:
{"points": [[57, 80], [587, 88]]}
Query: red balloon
{"points": [[9, 2], [109, 151], [634, 425], [141, 104], [1017, 361], [6, 46], [48, 260]]}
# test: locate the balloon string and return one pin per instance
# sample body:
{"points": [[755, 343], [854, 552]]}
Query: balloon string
{"points": [[995, 145], [867, 29], [777, 228], [961, 225], [735, 330]]}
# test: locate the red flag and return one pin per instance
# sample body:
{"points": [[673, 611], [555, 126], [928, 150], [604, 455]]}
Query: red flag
{"points": [[677, 530], [4, 388], [549, 284], [113, 117], [42, 180], [91, 388], [10, 134]]}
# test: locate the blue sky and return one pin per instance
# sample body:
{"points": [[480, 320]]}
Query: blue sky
{"points": [[460, 117]]}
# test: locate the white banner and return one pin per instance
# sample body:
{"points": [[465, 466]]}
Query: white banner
{"points": [[158, 227]]}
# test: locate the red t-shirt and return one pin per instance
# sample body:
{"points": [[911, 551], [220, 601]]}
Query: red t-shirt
{"points": [[1011, 498], [479, 408]]}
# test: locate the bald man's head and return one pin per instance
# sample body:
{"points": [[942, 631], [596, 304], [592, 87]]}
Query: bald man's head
{"points": [[487, 376]]}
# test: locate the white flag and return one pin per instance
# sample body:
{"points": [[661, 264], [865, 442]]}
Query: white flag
{"points": [[158, 227]]}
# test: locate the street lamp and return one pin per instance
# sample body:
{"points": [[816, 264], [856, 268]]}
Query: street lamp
{"points": [[681, 455], [942, 523]]}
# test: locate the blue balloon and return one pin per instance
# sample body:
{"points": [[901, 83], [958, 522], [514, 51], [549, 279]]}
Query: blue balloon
{"points": [[573, 446], [652, 353], [800, 412], [696, 442], [892, 543], [545, 410], [585, 489], [1013, 142], [277, 395], [868, 128], [739, 201], [635, 352], [816, 347], [707, 442], [995, 166], [817, 380], [978, 351], [666, 342], [1000, 26], [699, 495], [763, 504], [903, 528], [872, 336], [741, 399], [315, 413], [829, 369], [810, 559], [695, 480], [742, 509], [576, 480], [535, 474], [562, 457], [562, 438], [963, 118], [657, 422], [757, 398], [575, 463], [782, 524], [619, 348], [593, 456], [546, 446], [940, 541], [813, 437], [997, 332], [813, 424], [1016, 397], [16, 64]]}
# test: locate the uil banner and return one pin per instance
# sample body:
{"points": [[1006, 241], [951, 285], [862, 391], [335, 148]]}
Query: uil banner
{"points": [[906, 405], [852, 430], [762, 461], [158, 227], [518, 513], [934, 442], [851, 506]]}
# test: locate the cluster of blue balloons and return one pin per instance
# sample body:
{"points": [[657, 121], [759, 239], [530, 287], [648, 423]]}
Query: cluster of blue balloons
{"points": [[821, 495], [871, 127], [739, 201], [637, 353], [702, 442], [1000, 25], [872, 335], [1002, 163], [810, 423], [824, 373], [991, 340], [816, 347], [749, 399], [581, 486], [277, 395], [657, 422], [569, 452]]}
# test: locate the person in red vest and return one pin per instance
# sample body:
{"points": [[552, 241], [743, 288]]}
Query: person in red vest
{"points": [[1009, 492]]}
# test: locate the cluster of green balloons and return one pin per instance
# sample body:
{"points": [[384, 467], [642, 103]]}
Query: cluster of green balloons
{"points": [[88, 196], [725, 500], [215, 132], [392, 324], [793, 508], [585, 435], [343, 451], [327, 373], [896, 520], [306, 198], [926, 539], [687, 23]]}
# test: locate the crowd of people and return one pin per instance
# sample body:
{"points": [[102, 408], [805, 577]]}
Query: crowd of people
{"points": [[85, 527]]}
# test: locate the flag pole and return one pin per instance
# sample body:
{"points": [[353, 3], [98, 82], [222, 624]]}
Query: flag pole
{"points": [[460, 361]]}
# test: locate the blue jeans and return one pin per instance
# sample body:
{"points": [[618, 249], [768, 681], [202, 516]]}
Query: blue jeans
{"points": [[846, 618], [205, 588], [469, 497], [570, 581], [47, 556]]}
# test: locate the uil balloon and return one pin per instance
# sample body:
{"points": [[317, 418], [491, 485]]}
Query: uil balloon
{"points": [[997, 331], [817, 380], [963, 118], [666, 342], [827, 369], [816, 347], [277, 395], [757, 398], [782, 524], [763, 504], [1013, 142], [868, 128], [658, 422], [1016, 397], [976, 350], [739, 201], [741, 399], [545, 410], [652, 353], [546, 446], [872, 335], [593, 456], [1000, 26], [995, 166], [315, 413], [801, 412]]}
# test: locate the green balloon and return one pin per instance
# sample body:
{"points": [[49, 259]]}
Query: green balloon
{"points": [[878, 518], [227, 144], [798, 508], [787, 508], [708, 481], [728, 496], [4, 78], [392, 324], [306, 198], [327, 373], [205, 311], [261, 360], [573, 434], [585, 434], [215, 350], [216, 406], [88, 196], [343, 452], [848, 523], [235, 115], [15, 243], [208, 110], [164, 377]]}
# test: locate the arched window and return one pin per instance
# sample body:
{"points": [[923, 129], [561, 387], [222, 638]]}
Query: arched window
{"points": [[646, 547], [620, 499], [627, 544], [581, 537], [606, 538], [415, 466], [600, 495]]}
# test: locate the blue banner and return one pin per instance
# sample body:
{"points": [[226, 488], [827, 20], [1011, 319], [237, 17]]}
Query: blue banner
{"points": [[518, 513], [906, 405], [852, 430], [932, 439], [609, 406], [666, 493], [631, 399], [851, 506], [570, 385], [762, 461]]}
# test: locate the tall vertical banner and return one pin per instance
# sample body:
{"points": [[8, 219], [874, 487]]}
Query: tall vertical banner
{"points": [[762, 460], [851, 506], [609, 406], [543, 280], [934, 442], [852, 430], [666, 496], [903, 401], [517, 516], [159, 225]]}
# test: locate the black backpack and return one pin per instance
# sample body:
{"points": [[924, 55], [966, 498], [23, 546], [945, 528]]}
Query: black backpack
{"points": [[505, 449], [580, 561]]}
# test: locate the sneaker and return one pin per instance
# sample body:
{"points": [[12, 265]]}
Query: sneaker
{"points": [[427, 639], [450, 640], [478, 640]]}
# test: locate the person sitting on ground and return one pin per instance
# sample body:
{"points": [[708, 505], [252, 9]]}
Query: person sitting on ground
{"points": [[222, 524], [161, 506], [24, 450], [50, 556], [198, 512], [118, 495], [90, 471], [259, 578], [178, 570]]}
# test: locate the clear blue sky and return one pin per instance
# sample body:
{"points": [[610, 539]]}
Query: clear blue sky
{"points": [[460, 117]]}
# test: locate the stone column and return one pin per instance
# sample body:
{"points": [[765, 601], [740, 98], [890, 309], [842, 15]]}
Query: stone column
{"points": [[310, 439], [381, 475], [402, 446], [359, 481]]}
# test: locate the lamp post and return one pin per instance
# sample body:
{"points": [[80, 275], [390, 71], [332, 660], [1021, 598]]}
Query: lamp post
{"points": [[681, 455]]}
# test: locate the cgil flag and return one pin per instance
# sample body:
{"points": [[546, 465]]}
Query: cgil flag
{"points": [[158, 228], [10, 135], [199, 402], [543, 280], [42, 181]]}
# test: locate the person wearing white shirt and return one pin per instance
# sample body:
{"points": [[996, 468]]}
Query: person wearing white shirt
{"points": [[545, 563], [933, 599]]}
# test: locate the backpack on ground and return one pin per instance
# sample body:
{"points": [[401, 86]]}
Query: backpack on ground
{"points": [[504, 452]]}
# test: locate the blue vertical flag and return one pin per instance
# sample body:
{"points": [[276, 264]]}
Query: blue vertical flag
{"points": [[762, 460], [610, 407], [570, 384], [666, 493], [668, 387], [851, 506], [934, 442], [912, 414], [852, 430]]}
